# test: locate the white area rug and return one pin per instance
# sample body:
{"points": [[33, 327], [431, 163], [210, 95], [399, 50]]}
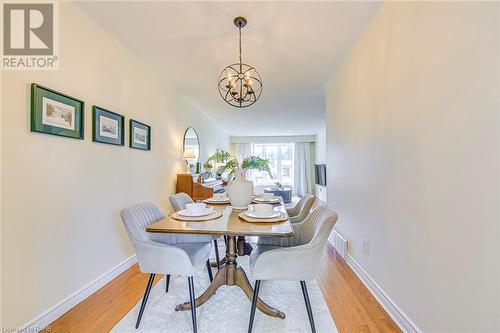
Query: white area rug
{"points": [[229, 309]]}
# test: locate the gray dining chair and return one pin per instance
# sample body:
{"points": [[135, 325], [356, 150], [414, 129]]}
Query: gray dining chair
{"points": [[297, 215], [301, 209], [179, 202], [155, 256], [297, 263]]}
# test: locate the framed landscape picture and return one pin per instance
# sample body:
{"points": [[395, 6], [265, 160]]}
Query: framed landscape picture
{"points": [[140, 135], [107, 126], [55, 113]]}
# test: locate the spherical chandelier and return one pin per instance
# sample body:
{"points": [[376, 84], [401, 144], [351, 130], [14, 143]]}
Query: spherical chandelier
{"points": [[240, 84]]}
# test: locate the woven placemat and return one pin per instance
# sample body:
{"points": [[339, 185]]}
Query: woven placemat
{"points": [[283, 217], [214, 215]]}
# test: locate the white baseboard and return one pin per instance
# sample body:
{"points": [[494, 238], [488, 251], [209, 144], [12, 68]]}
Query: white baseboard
{"points": [[399, 317], [49, 316]]}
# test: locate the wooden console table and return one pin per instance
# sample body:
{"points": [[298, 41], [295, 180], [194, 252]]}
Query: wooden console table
{"points": [[195, 189]]}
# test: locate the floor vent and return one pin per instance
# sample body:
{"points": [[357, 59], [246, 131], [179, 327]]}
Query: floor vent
{"points": [[339, 243]]}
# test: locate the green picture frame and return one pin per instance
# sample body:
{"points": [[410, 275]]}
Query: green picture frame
{"points": [[140, 135], [107, 126], [56, 113]]}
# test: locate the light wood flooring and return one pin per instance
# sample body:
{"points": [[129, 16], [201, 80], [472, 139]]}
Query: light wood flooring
{"points": [[352, 306]]}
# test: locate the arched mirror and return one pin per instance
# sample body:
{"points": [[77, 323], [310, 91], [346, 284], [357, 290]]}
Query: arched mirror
{"points": [[191, 146]]}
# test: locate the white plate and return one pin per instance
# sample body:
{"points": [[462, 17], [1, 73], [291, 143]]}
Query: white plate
{"points": [[274, 199], [254, 215], [218, 199], [206, 211]]}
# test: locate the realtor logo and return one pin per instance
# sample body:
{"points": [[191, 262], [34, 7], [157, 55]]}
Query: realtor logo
{"points": [[29, 36]]}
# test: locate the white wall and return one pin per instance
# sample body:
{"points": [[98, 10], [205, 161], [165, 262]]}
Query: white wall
{"points": [[320, 157], [413, 155], [273, 139], [62, 197]]}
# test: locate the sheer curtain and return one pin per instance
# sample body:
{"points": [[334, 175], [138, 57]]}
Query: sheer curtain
{"points": [[302, 182], [242, 150]]}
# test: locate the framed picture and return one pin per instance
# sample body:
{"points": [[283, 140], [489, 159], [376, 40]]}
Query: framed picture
{"points": [[55, 113], [140, 135], [107, 126]]}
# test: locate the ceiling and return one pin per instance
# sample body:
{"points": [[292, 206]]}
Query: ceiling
{"points": [[295, 46]]}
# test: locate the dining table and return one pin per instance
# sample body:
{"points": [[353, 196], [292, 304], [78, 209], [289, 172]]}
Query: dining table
{"points": [[231, 226]]}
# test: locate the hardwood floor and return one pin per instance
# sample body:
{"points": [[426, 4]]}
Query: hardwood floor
{"points": [[352, 306]]}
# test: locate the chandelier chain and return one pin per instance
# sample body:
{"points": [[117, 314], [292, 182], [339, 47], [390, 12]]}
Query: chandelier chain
{"points": [[239, 28], [241, 68]]}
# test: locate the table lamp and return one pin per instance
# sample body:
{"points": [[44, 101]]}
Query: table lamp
{"points": [[189, 156]]}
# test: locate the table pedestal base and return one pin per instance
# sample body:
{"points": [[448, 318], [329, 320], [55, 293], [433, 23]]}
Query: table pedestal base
{"points": [[244, 249], [231, 275]]}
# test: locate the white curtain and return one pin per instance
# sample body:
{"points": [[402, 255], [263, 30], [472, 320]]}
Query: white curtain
{"points": [[302, 183], [242, 150]]}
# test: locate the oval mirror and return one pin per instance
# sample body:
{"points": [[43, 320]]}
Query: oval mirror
{"points": [[191, 146]]}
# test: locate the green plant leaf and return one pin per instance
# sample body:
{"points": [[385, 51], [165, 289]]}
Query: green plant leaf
{"points": [[230, 163], [257, 163]]}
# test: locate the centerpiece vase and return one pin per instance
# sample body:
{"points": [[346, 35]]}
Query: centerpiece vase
{"points": [[240, 190]]}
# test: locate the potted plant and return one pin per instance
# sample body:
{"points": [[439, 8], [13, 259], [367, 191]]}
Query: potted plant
{"points": [[208, 166], [217, 160], [239, 189]]}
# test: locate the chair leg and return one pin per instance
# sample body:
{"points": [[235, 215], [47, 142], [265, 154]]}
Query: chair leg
{"points": [[193, 303], [209, 269], [308, 305], [145, 299], [254, 304], [217, 254], [167, 283]]}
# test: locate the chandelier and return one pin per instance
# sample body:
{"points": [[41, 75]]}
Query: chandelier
{"points": [[239, 84]]}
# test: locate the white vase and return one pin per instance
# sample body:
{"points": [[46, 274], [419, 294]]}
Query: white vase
{"points": [[240, 190]]}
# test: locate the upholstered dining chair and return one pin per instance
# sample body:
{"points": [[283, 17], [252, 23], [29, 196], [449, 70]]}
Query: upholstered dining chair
{"points": [[156, 256], [297, 214], [179, 202], [297, 263], [301, 209]]}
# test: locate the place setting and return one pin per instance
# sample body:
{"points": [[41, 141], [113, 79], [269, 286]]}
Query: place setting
{"points": [[196, 212], [218, 199], [267, 198], [263, 213]]}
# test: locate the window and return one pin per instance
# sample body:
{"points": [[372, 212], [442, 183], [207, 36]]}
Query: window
{"points": [[281, 158]]}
